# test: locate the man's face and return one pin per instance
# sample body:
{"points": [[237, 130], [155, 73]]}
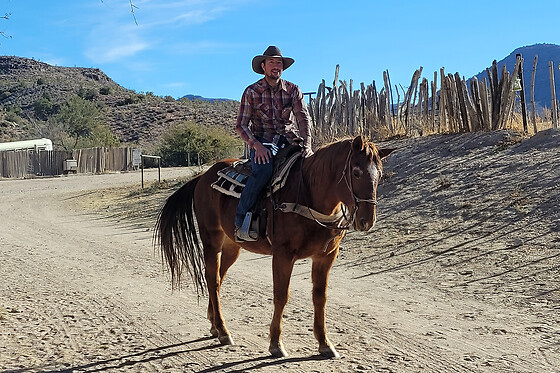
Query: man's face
{"points": [[273, 67]]}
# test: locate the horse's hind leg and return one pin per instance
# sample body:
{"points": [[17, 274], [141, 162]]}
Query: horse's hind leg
{"points": [[228, 256], [320, 273], [213, 281]]}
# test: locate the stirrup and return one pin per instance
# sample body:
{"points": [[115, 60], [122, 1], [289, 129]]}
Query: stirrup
{"points": [[244, 232]]}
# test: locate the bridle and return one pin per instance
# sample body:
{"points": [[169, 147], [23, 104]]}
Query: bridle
{"points": [[352, 216], [348, 180]]}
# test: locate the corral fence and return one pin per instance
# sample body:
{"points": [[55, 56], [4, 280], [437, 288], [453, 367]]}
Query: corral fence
{"points": [[457, 106], [24, 164]]}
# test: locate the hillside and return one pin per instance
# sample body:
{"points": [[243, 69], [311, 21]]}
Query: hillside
{"points": [[545, 53], [137, 118]]}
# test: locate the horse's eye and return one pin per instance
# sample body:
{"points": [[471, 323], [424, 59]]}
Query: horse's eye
{"points": [[357, 172]]}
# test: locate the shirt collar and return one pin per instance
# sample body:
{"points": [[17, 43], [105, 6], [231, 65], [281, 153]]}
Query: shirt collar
{"points": [[264, 85]]}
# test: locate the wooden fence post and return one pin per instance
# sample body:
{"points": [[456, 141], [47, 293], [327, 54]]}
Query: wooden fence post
{"points": [[554, 103], [520, 75], [533, 111]]}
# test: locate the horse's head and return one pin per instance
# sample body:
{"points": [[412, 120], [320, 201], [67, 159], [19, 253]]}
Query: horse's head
{"points": [[362, 174]]}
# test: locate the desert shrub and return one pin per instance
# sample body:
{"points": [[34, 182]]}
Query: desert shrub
{"points": [[105, 91], [131, 99], [43, 107], [13, 117], [4, 95], [190, 143], [87, 93]]}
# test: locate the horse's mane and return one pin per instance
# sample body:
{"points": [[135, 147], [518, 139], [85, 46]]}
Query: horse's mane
{"points": [[326, 158]]}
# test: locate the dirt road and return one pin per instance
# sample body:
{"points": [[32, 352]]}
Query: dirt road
{"points": [[459, 275]]}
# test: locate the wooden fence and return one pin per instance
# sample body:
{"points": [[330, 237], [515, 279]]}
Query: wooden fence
{"points": [[22, 163], [457, 106]]}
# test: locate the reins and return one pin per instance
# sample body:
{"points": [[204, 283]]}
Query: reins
{"points": [[338, 220]]}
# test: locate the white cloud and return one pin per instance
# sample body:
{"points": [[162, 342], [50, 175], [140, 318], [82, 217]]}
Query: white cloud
{"points": [[100, 54], [174, 85], [114, 36], [182, 13]]}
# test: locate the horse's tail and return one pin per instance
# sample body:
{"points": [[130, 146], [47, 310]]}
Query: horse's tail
{"points": [[175, 233]]}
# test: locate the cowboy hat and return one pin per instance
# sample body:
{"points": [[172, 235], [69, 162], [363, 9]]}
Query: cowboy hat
{"points": [[271, 51]]}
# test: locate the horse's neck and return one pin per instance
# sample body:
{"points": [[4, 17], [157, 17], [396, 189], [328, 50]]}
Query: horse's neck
{"points": [[323, 175]]}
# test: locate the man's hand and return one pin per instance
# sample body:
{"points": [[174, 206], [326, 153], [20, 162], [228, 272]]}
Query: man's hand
{"points": [[306, 152], [262, 154]]}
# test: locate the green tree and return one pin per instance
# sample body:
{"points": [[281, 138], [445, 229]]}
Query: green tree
{"points": [[79, 123], [190, 143], [44, 107]]}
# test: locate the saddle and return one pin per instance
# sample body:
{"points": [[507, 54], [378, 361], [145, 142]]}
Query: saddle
{"points": [[232, 180]]}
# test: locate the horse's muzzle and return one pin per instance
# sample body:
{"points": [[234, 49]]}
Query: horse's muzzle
{"points": [[363, 224]]}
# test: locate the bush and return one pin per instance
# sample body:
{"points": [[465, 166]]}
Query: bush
{"points": [[105, 91], [190, 144], [43, 108], [87, 93], [4, 95], [13, 117]]}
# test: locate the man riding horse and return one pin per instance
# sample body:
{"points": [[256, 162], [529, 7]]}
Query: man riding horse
{"points": [[266, 122]]}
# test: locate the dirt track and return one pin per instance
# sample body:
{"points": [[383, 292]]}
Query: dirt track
{"points": [[459, 275]]}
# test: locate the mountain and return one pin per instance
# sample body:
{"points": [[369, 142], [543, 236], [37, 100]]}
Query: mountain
{"points": [[196, 97], [545, 53], [31, 91]]}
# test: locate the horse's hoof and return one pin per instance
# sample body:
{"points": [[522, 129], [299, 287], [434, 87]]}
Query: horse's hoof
{"points": [[214, 332], [278, 351], [329, 352], [226, 340]]}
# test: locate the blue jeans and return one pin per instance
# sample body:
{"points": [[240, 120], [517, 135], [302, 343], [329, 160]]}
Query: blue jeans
{"points": [[260, 176]]}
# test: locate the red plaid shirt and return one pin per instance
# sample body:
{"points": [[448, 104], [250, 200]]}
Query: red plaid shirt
{"points": [[265, 113]]}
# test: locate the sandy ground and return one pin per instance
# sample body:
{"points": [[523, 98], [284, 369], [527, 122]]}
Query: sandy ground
{"points": [[459, 275]]}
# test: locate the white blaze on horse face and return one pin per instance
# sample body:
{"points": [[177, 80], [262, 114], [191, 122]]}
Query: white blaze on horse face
{"points": [[370, 176], [366, 183]]}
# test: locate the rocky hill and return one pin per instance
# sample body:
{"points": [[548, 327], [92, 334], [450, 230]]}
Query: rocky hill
{"points": [[137, 118]]}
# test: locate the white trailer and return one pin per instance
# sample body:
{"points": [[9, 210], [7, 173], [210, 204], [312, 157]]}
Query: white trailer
{"points": [[36, 145]]}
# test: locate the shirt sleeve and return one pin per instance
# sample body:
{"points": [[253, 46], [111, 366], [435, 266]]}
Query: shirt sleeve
{"points": [[243, 119], [302, 117]]}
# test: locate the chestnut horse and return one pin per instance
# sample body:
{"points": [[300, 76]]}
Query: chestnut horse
{"points": [[333, 190]]}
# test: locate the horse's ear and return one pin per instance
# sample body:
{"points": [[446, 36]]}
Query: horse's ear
{"points": [[358, 143], [383, 153]]}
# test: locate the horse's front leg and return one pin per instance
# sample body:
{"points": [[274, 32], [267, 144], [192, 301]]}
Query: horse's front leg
{"points": [[320, 274], [282, 267]]}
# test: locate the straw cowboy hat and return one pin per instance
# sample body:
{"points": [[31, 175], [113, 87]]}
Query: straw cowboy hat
{"points": [[271, 51]]}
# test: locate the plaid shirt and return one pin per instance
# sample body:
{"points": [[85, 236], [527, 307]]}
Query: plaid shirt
{"points": [[266, 113]]}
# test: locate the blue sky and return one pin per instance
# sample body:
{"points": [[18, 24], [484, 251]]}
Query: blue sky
{"points": [[205, 47]]}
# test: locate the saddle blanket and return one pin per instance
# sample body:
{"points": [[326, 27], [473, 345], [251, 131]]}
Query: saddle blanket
{"points": [[232, 179]]}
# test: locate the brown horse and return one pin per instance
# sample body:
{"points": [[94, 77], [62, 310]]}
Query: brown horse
{"points": [[331, 191]]}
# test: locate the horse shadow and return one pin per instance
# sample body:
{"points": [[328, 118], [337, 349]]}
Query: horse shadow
{"points": [[127, 361], [162, 352], [260, 362]]}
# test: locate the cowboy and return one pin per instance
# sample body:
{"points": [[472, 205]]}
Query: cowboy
{"points": [[265, 122]]}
